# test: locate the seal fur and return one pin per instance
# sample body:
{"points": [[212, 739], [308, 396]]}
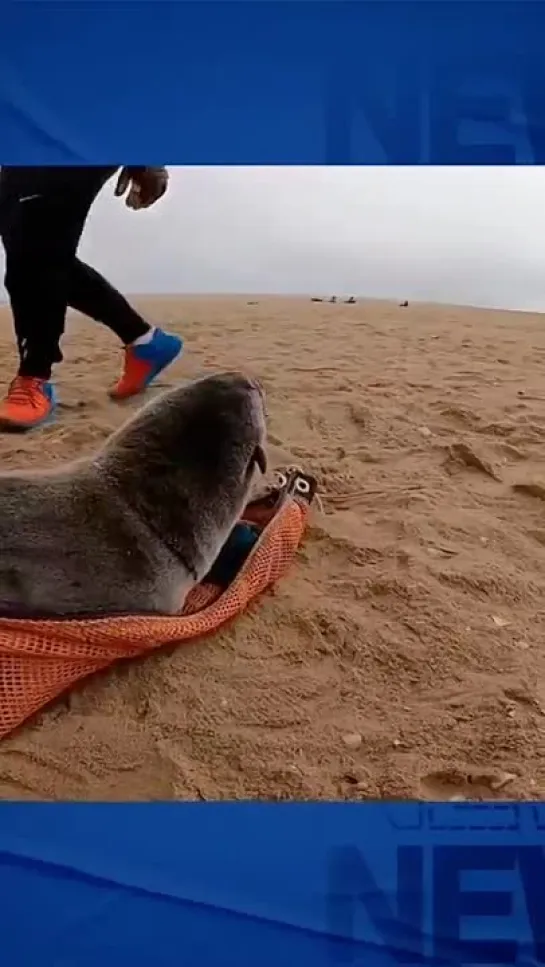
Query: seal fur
{"points": [[133, 529]]}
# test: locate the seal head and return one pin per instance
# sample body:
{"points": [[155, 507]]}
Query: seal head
{"points": [[185, 465]]}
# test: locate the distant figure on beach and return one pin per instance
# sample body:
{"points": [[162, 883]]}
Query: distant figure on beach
{"points": [[315, 298], [333, 299], [351, 301], [43, 211], [403, 305]]}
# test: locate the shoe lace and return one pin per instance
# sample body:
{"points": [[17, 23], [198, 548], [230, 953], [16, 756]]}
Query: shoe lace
{"points": [[25, 391]]}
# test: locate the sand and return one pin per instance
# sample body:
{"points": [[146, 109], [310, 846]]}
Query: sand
{"points": [[403, 656]]}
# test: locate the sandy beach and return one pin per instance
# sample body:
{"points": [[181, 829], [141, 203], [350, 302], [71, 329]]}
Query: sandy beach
{"points": [[403, 655]]}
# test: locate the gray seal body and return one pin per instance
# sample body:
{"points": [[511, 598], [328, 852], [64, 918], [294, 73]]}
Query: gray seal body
{"points": [[133, 529]]}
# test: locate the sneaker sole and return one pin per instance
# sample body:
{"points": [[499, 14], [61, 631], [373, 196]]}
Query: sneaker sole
{"points": [[153, 374], [10, 426]]}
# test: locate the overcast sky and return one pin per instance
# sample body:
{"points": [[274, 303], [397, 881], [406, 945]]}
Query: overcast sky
{"points": [[466, 235]]}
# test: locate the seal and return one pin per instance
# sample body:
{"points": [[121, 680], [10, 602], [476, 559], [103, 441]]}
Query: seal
{"points": [[134, 528]]}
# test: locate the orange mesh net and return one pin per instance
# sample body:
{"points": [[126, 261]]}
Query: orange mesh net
{"points": [[40, 659]]}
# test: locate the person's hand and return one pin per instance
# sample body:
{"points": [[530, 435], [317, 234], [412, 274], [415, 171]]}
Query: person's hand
{"points": [[145, 186]]}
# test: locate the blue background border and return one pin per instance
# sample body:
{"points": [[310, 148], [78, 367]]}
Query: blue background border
{"points": [[267, 883], [278, 83], [260, 82]]}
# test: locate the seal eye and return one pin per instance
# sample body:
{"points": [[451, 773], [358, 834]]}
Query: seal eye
{"points": [[281, 479]]}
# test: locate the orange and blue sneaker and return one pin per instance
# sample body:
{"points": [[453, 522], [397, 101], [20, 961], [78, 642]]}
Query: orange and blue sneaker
{"points": [[144, 361], [30, 403]]}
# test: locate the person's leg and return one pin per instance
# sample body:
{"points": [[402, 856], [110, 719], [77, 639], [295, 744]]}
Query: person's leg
{"points": [[42, 214], [12, 184], [36, 279], [90, 293], [148, 350]]}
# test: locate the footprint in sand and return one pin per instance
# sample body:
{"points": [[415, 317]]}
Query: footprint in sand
{"points": [[453, 785]]}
